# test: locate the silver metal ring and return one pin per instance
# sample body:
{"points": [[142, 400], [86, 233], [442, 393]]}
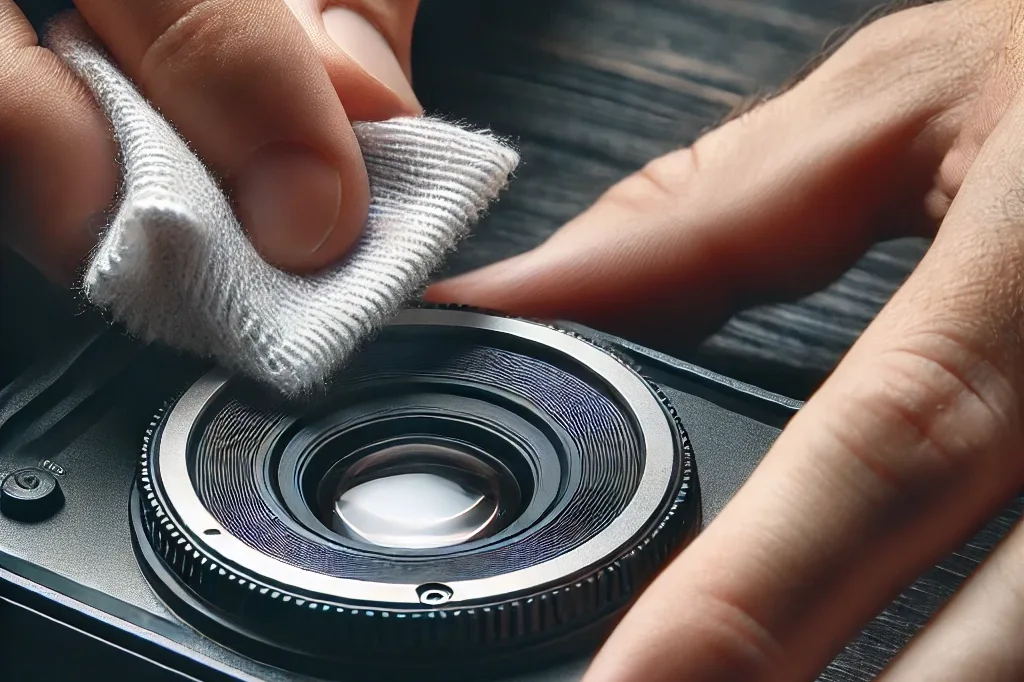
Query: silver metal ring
{"points": [[656, 429]]}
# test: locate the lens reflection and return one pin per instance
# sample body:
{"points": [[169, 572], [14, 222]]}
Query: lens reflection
{"points": [[421, 510]]}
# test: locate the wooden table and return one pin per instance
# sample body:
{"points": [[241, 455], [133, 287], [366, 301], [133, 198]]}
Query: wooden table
{"points": [[593, 89]]}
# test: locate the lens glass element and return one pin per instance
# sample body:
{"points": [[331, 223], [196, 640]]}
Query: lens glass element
{"points": [[413, 511], [416, 496]]}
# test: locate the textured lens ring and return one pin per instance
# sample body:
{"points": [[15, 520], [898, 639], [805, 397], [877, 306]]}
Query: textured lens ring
{"points": [[633, 393], [539, 458], [557, 608], [607, 445]]}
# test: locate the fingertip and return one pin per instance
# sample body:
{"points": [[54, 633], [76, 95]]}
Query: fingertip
{"points": [[507, 285]]}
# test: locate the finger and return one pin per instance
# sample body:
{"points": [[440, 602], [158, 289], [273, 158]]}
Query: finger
{"points": [[242, 82], [771, 205], [57, 169], [903, 453], [366, 47], [986, 111], [977, 636]]}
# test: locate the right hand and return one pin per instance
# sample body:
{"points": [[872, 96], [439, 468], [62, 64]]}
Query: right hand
{"points": [[915, 125], [264, 90]]}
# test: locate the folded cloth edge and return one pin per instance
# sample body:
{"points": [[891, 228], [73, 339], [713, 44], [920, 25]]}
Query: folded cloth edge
{"points": [[175, 266]]}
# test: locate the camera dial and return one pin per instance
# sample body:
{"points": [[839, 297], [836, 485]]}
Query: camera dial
{"points": [[30, 495]]}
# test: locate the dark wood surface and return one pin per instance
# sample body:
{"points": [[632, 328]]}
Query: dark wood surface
{"points": [[592, 89]]}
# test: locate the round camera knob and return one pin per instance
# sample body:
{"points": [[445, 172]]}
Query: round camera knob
{"points": [[30, 495]]}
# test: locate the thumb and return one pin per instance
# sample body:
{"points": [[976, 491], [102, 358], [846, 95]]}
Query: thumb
{"points": [[771, 205]]}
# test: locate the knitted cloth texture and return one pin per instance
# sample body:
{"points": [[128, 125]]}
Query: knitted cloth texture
{"points": [[175, 265]]}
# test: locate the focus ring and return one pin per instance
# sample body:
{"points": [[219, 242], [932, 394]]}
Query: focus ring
{"points": [[432, 631]]}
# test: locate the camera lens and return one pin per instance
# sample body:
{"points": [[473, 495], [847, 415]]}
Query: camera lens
{"points": [[475, 492], [416, 495], [414, 510]]}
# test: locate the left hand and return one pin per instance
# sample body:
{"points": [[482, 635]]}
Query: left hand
{"points": [[914, 126], [263, 90]]}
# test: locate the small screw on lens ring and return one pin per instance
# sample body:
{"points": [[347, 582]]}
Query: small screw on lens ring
{"points": [[434, 594]]}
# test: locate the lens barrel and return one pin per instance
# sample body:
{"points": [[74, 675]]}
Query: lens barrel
{"points": [[474, 489]]}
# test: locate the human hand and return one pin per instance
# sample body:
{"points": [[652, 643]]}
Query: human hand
{"points": [[264, 90], [914, 126]]}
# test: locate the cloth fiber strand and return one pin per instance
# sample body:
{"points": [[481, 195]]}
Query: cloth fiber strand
{"points": [[175, 265]]}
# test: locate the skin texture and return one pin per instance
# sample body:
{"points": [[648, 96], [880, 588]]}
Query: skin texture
{"points": [[273, 124], [913, 125]]}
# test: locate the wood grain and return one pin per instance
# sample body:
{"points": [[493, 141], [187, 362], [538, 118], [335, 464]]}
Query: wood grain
{"points": [[593, 89]]}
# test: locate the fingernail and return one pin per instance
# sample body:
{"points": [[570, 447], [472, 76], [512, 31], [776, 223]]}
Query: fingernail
{"points": [[360, 40], [288, 198]]}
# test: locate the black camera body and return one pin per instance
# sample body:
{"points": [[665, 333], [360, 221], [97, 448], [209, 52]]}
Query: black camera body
{"points": [[79, 592]]}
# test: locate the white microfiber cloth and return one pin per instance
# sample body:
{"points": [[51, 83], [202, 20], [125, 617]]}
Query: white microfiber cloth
{"points": [[175, 265]]}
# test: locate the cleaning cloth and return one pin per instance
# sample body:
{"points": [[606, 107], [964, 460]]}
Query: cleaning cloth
{"points": [[175, 266]]}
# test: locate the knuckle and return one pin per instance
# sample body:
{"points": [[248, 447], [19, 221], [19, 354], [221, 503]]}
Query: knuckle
{"points": [[946, 38], [662, 181], [925, 27], [934, 409], [205, 32], [670, 175], [888, 37]]}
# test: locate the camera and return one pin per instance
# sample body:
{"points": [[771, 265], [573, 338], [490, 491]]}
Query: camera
{"points": [[474, 497]]}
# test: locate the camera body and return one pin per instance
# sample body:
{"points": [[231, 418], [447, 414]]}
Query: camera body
{"points": [[74, 595]]}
